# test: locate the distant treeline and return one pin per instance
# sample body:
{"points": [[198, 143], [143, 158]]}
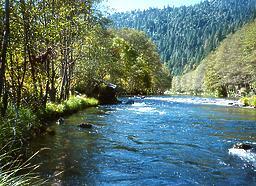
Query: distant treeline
{"points": [[186, 35]]}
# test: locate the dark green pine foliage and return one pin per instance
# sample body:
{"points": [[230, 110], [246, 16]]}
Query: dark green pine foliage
{"points": [[186, 35]]}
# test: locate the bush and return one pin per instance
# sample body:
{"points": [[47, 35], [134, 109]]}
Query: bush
{"points": [[245, 101], [252, 101], [17, 125], [14, 128], [249, 101], [73, 104]]}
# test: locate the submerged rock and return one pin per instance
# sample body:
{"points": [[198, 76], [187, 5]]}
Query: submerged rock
{"points": [[129, 102], [243, 146], [85, 125], [60, 121], [50, 131], [139, 97]]}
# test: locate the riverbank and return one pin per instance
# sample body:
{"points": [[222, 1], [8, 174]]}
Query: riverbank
{"points": [[16, 131], [70, 106], [245, 102], [27, 124]]}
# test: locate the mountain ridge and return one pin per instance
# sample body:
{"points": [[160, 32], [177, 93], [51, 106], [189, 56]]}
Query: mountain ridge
{"points": [[186, 35]]}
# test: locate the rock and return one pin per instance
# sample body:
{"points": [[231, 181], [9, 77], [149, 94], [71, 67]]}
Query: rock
{"points": [[60, 121], [85, 125], [239, 105], [50, 131], [230, 103], [140, 97], [242, 146], [129, 102], [107, 95]]}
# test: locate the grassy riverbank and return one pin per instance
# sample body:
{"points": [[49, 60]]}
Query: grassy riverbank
{"points": [[17, 128], [249, 101], [22, 125], [72, 105]]}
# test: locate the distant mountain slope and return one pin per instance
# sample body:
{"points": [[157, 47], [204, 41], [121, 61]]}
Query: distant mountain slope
{"points": [[186, 35], [230, 70]]}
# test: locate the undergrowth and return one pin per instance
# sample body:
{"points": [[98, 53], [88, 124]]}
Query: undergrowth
{"points": [[249, 101], [73, 104]]}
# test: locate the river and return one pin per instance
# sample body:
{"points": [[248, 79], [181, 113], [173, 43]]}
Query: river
{"points": [[162, 140]]}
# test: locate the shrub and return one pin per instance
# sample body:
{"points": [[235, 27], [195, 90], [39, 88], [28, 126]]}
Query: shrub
{"points": [[253, 101], [73, 104], [245, 101], [17, 125], [249, 101]]}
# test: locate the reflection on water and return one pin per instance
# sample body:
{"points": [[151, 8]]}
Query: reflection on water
{"points": [[156, 141]]}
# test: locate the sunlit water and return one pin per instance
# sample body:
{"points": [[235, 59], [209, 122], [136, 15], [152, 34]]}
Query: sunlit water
{"points": [[155, 141]]}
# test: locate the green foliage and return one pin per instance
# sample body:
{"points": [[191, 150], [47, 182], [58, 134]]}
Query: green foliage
{"points": [[127, 58], [73, 104], [54, 107], [245, 101], [77, 102], [186, 35], [253, 101], [17, 125], [249, 101], [228, 71]]}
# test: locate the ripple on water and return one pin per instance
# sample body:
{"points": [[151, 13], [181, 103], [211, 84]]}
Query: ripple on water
{"points": [[245, 155], [193, 100], [155, 141]]}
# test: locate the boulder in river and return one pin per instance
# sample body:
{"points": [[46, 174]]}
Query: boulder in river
{"points": [[129, 102], [85, 125], [60, 121], [105, 92], [243, 146], [50, 131]]}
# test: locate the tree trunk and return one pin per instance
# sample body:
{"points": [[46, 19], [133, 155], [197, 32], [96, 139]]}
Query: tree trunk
{"points": [[3, 55], [27, 47]]}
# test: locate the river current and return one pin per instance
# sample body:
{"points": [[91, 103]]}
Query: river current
{"points": [[161, 140]]}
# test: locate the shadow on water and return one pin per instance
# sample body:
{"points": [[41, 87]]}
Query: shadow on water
{"points": [[70, 157], [155, 141]]}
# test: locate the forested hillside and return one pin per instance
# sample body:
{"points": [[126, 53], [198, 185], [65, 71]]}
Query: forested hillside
{"points": [[186, 35], [228, 71]]}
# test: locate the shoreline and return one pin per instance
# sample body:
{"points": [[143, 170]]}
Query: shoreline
{"points": [[206, 100]]}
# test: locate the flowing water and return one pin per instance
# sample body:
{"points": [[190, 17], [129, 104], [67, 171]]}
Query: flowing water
{"points": [[155, 141]]}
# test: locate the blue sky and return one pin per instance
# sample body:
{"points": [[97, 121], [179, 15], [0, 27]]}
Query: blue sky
{"points": [[126, 5]]}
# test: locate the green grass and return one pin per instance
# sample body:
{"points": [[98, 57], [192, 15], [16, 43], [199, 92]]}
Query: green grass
{"points": [[22, 125], [249, 101], [73, 104], [14, 131], [18, 126], [16, 172]]}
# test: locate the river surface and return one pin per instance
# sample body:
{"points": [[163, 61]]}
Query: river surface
{"points": [[155, 141]]}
